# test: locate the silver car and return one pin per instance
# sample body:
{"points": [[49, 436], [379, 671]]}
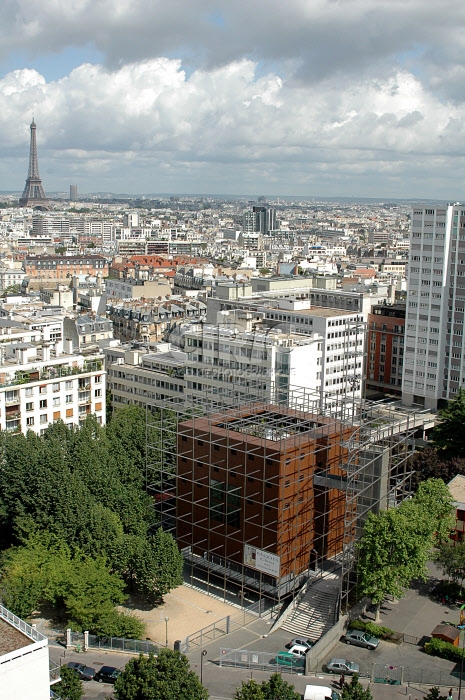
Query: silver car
{"points": [[348, 668], [359, 638], [301, 641]]}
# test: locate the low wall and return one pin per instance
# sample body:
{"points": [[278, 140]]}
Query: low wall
{"points": [[318, 654]]}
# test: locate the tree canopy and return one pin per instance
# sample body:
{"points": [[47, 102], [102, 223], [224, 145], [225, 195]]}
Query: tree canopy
{"points": [[275, 688], [77, 525], [396, 543], [70, 685], [448, 435], [163, 677], [355, 690]]}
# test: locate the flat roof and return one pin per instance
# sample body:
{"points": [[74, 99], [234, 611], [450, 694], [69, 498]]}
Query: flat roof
{"points": [[316, 311], [457, 488], [11, 639]]}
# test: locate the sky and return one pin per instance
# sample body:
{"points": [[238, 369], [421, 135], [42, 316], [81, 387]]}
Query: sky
{"points": [[354, 98]]}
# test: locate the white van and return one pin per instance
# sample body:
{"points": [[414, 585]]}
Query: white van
{"points": [[320, 692]]}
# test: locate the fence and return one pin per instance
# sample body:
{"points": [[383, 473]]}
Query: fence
{"points": [[85, 640], [408, 675], [220, 628], [129, 646], [258, 660]]}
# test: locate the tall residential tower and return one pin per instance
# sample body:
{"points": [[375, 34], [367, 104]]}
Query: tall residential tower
{"points": [[434, 366]]}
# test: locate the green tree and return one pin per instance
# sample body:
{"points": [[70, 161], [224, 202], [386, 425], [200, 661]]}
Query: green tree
{"points": [[70, 685], [448, 434], [355, 690], [11, 289], [451, 558], [165, 677], [434, 694], [249, 690], [391, 554], [434, 500], [397, 543], [275, 688]]}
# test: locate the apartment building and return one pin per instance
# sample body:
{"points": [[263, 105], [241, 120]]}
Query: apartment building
{"points": [[137, 288], [147, 320], [37, 389], [11, 274], [62, 266], [26, 672], [385, 348], [434, 367]]}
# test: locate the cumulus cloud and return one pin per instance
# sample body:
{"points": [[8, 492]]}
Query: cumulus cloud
{"points": [[147, 126], [318, 38]]}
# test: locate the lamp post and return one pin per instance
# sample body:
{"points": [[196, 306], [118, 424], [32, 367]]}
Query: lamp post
{"points": [[166, 631], [204, 653]]}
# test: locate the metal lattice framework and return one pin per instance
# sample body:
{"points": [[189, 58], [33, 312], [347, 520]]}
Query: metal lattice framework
{"points": [[33, 194], [286, 481]]}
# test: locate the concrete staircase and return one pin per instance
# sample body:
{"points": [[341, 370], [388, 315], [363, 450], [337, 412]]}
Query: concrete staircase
{"points": [[315, 613]]}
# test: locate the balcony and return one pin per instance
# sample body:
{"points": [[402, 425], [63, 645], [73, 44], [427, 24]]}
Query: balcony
{"points": [[54, 673], [51, 372], [12, 415]]}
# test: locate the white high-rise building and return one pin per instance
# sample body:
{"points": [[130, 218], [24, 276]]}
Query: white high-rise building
{"points": [[434, 366]]}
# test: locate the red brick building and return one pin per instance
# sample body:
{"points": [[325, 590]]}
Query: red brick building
{"points": [[385, 357]]}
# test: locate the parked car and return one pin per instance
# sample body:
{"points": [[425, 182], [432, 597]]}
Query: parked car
{"points": [[342, 666], [85, 673], [298, 650], [359, 638], [284, 658], [300, 641], [107, 674]]}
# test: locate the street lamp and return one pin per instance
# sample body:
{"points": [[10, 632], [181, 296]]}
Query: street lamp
{"points": [[166, 631], [204, 653]]}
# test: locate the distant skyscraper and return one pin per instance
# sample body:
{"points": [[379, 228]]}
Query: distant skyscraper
{"points": [[33, 195], [259, 220], [73, 193], [434, 367]]}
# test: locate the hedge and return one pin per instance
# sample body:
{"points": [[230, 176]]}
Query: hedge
{"points": [[375, 630], [445, 650]]}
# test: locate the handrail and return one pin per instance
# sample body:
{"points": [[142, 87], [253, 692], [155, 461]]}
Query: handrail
{"points": [[20, 625]]}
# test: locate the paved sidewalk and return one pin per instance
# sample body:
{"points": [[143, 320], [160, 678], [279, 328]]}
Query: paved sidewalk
{"points": [[417, 614]]}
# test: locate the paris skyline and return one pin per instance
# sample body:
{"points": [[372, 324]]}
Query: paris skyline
{"points": [[323, 98]]}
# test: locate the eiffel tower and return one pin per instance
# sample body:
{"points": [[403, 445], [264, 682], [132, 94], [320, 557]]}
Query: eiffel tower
{"points": [[34, 195]]}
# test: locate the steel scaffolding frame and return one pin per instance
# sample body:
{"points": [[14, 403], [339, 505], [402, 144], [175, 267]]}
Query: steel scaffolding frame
{"points": [[367, 470]]}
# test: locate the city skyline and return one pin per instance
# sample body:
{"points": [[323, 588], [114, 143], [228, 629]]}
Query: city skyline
{"points": [[323, 99]]}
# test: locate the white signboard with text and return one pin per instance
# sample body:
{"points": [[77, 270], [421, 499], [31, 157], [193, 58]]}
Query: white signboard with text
{"points": [[262, 561]]}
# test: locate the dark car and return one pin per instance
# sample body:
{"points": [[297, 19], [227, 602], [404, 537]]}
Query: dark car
{"points": [[85, 673], [107, 674]]}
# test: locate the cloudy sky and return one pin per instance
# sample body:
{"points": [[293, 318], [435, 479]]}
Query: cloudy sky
{"points": [[306, 97]]}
